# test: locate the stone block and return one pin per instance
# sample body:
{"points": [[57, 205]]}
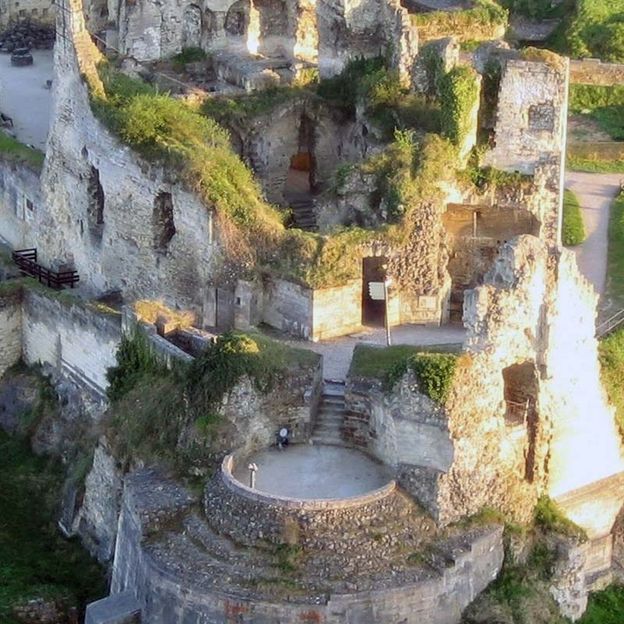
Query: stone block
{"points": [[122, 608]]}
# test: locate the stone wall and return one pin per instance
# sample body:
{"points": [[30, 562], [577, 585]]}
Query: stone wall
{"points": [[21, 204], [596, 72], [288, 306], [70, 339], [337, 311], [328, 33], [167, 593], [11, 329], [41, 11], [531, 115]]}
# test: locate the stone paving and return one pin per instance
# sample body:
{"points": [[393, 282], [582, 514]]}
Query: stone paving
{"points": [[24, 98], [314, 472]]}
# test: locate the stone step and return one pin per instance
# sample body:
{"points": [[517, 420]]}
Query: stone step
{"points": [[326, 440], [333, 390], [327, 430], [332, 410], [333, 399], [330, 418]]}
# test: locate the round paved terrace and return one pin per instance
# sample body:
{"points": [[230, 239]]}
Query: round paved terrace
{"points": [[310, 472]]}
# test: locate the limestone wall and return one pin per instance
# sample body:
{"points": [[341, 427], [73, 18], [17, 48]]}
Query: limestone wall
{"points": [[41, 11], [337, 311], [288, 306], [11, 329], [21, 204], [70, 338]]}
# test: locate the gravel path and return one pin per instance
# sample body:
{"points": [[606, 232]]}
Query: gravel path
{"points": [[595, 192]]}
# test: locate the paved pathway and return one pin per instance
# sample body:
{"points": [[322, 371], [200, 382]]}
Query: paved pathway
{"points": [[595, 192], [24, 98]]}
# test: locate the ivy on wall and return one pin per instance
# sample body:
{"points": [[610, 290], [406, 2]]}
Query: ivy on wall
{"points": [[459, 94]]}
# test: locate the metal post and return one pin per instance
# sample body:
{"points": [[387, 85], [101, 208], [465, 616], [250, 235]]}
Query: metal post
{"points": [[252, 475], [387, 320]]}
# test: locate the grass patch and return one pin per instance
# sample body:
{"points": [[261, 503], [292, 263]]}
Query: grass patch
{"points": [[34, 560], [593, 165], [605, 607], [573, 229], [13, 150], [603, 104], [615, 255], [611, 356], [549, 517], [433, 365]]}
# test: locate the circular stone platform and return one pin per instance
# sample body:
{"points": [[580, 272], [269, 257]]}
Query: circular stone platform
{"points": [[313, 472]]}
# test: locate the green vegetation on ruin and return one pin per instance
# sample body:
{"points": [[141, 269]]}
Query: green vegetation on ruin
{"points": [[550, 517], [35, 561], [188, 55], [152, 406], [11, 149], [536, 9], [593, 28], [573, 228], [433, 365], [486, 20], [459, 94]]}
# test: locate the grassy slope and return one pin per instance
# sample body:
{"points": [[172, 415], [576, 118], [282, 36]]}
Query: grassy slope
{"points": [[615, 259], [605, 607], [611, 351], [34, 559], [573, 228]]}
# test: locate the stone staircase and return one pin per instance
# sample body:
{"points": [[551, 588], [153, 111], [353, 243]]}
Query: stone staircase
{"points": [[304, 215], [330, 417]]}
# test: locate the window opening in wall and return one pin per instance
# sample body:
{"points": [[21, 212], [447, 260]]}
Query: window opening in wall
{"points": [[95, 192], [373, 308], [521, 387], [162, 221], [237, 19]]}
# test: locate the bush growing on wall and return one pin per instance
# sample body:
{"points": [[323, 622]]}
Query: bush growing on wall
{"points": [[459, 94]]}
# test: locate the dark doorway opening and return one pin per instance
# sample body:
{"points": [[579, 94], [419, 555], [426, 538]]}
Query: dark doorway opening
{"points": [[521, 387], [373, 310]]}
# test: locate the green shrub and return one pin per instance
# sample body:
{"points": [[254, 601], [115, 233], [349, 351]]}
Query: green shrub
{"points": [[550, 517], [153, 407], [459, 94], [573, 229], [486, 20], [536, 9], [188, 55]]}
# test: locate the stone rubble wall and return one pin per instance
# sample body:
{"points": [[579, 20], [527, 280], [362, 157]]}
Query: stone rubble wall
{"points": [[531, 115], [596, 72], [150, 504], [11, 330]]}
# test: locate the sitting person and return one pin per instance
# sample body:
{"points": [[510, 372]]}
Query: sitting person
{"points": [[282, 438]]}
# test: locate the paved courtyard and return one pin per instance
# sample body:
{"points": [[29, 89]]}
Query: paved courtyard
{"points": [[314, 472], [24, 98]]}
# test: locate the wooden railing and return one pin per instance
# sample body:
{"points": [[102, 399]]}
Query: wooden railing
{"points": [[26, 260], [611, 324]]}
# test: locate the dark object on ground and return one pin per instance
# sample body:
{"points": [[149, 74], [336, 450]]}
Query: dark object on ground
{"points": [[6, 121], [21, 57]]}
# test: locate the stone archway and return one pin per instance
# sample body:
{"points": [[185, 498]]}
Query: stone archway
{"points": [[237, 19], [191, 27]]}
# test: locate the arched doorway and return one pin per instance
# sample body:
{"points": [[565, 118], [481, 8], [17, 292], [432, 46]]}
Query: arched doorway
{"points": [[192, 27], [237, 19]]}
